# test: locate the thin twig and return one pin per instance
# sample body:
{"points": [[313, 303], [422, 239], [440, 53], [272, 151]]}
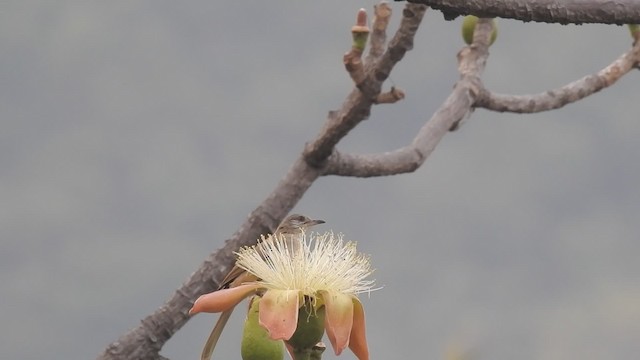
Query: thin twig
{"points": [[471, 63], [381, 16], [557, 98]]}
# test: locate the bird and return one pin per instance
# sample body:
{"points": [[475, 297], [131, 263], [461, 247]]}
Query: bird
{"points": [[291, 228]]}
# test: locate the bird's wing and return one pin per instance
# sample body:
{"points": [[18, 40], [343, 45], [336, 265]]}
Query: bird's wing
{"points": [[231, 275]]}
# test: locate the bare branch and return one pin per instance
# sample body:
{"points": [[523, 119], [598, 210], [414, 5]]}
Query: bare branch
{"points": [[471, 64], [320, 158], [146, 340], [550, 11], [392, 96], [567, 94], [382, 14], [357, 106], [355, 67], [401, 42], [411, 157]]}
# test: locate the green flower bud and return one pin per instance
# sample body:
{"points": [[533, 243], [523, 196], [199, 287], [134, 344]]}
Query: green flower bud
{"points": [[634, 29], [360, 31], [310, 326], [469, 26], [256, 343], [360, 40]]}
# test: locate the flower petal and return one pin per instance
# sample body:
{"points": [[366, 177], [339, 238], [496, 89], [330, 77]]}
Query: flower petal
{"points": [[339, 318], [358, 341], [222, 300], [279, 313]]}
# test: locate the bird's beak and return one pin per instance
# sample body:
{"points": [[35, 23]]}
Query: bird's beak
{"points": [[315, 222]]}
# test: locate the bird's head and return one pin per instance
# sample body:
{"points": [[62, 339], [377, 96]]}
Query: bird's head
{"points": [[296, 223]]}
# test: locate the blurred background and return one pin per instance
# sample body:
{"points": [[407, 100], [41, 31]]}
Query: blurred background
{"points": [[137, 136]]}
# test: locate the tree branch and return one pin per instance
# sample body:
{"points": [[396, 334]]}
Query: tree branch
{"points": [[146, 340], [549, 11], [567, 94], [319, 157], [357, 106], [471, 63], [382, 14]]}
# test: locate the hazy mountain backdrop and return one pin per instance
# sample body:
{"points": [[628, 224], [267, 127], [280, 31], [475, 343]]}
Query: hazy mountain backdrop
{"points": [[137, 135]]}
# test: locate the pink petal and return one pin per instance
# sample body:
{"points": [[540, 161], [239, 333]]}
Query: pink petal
{"points": [[339, 319], [358, 341], [279, 313], [222, 300]]}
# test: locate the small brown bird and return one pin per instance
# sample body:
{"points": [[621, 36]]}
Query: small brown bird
{"points": [[291, 228]]}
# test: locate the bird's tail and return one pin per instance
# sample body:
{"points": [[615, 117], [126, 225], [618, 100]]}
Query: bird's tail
{"points": [[207, 351]]}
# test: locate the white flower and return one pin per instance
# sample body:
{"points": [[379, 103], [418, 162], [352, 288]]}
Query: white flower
{"points": [[324, 269], [324, 262]]}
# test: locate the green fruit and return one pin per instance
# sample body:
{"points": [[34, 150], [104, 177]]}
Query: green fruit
{"points": [[634, 29], [256, 343], [310, 327], [469, 25]]}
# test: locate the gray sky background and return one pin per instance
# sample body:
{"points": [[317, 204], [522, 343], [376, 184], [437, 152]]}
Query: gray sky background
{"points": [[137, 136]]}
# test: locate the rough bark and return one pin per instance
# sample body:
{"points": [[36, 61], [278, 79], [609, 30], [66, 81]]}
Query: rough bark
{"points": [[549, 11]]}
